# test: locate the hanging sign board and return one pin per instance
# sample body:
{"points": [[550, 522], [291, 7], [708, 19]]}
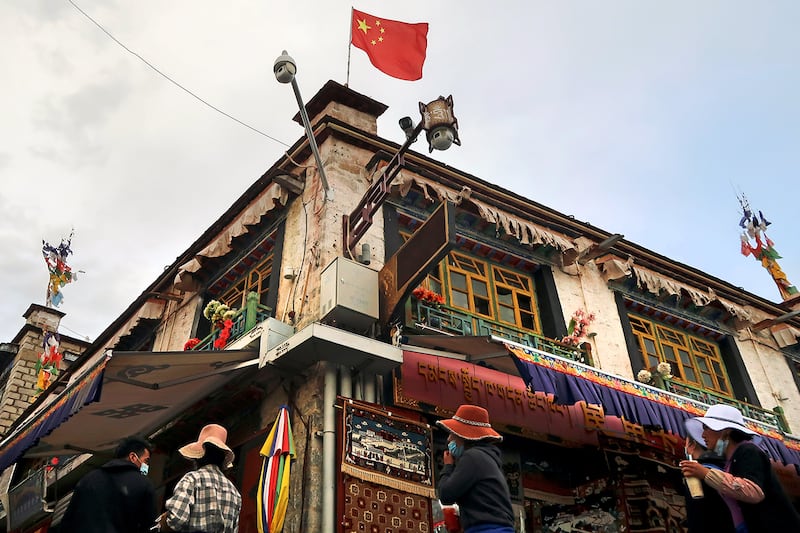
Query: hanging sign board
{"points": [[411, 263]]}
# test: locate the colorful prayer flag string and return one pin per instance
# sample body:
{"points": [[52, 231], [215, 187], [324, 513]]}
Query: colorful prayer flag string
{"points": [[60, 272], [49, 363], [755, 227]]}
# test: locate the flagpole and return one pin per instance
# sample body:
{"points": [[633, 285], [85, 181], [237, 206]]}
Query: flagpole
{"points": [[349, 47]]}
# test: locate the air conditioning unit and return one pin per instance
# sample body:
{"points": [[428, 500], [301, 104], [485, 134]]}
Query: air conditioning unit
{"points": [[349, 294]]}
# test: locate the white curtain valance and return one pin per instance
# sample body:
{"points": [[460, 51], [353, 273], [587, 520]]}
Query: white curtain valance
{"points": [[655, 283], [272, 197], [525, 231], [151, 310]]}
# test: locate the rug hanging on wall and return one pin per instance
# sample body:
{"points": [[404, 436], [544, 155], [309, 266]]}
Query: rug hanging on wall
{"points": [[388, 450], [372, 508]]}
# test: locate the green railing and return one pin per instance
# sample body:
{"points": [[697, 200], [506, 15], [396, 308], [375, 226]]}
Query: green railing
{"points": [[774, 418], [244, 320], [457, 322]]}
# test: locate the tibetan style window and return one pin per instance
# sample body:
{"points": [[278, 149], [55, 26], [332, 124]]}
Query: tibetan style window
{"points": [[486, 291], [256, 280], [694, 360]]}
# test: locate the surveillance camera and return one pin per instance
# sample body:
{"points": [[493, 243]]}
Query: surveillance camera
{"points": [[285, 68], [441, 138]]}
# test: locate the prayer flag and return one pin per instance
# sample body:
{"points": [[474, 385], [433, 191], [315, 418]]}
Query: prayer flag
{"points": [[395, 48]]}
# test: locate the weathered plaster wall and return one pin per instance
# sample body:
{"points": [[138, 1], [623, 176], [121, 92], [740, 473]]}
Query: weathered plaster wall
{"points": [[180, 318], [314, 238], [770, 375], [583, 287]]}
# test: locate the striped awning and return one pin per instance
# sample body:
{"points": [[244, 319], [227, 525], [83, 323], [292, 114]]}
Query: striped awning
{"points": [[83, 390]]}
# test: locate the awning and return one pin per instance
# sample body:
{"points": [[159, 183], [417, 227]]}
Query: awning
{"points": [[83, 390], [572, 382], [141, 392]]}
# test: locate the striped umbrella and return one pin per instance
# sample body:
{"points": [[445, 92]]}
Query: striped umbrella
{"points": [[273, 486]]}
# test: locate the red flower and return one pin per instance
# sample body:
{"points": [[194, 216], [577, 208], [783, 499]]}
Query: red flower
{"points": [[191, 343], [224, 335], [421, 293]]}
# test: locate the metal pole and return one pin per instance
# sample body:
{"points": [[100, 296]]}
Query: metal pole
{"points": [[311, 141]]}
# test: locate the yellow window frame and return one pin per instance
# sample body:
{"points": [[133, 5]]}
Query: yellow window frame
{"points": [[473, 270], [690, 352], [518, 285]]}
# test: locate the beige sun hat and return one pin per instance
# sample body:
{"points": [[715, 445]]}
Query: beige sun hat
{"points": [[212, 434]]}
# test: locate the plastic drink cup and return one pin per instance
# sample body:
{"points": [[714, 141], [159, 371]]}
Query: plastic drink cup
{"points": [[451, 521], [695, 485]]}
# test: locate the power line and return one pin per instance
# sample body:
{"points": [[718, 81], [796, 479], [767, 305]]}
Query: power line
{"points": [[187, 91], [85, 337]]}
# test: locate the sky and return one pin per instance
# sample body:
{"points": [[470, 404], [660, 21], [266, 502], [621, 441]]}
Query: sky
{"points": [[639, 117]]}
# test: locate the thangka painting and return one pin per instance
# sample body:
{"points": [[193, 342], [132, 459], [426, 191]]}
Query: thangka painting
{"points": [[388, 450]]}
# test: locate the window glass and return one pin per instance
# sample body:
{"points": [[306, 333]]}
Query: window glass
{"points": [[256, 280], [694, 360]]}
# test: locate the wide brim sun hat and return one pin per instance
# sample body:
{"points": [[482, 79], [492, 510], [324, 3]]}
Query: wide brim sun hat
{"points": [[471, 423], [717, 418], [212, 434]]}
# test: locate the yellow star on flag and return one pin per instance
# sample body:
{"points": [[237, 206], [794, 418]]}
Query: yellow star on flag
{"points": [[362, 25], [393, 47]]}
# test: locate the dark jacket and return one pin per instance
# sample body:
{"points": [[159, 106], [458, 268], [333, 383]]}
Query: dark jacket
{"points": [[477, 484], [709, 514], [115, 498], [775, 512]]}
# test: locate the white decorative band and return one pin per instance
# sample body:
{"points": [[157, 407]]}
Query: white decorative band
{"points": [[472, 422]]}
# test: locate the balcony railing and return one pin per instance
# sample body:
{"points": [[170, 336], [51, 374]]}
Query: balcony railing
{"points": [[244, 320], [457, 322], [774, 418]]}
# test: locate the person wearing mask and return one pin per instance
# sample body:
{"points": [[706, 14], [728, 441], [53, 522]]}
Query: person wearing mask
{"points": [[472, 476], [747, 477], [204, 500], [709, 514], [117, 496]]}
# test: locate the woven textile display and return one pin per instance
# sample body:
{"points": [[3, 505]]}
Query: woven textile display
{"points": [[387, 450], [371, 508]]}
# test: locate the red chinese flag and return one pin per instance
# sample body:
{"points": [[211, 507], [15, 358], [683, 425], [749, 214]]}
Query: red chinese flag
{"points": [[394, 48]]}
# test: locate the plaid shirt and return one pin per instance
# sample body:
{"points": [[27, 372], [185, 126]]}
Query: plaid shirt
{"points": [[204, 500]]}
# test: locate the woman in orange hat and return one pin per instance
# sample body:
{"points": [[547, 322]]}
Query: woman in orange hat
{"points": [[473, 475]]}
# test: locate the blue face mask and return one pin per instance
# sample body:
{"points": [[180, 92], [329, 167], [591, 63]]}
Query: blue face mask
{"points": [[144, 468], [719, 447], [454, 449]]}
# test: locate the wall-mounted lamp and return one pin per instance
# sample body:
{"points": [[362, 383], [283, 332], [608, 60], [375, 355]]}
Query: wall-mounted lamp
{"points": [[285, 69], [439, 123], [441, 130]]}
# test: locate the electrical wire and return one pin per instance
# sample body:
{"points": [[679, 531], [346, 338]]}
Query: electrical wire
{"points": [[80, 335], [187, 91]]}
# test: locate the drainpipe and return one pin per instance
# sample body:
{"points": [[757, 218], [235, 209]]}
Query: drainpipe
{"points": [[369, 388], [358, 388], [346, 387], [328, 447]]}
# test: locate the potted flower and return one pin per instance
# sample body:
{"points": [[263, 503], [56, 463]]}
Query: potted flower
{"points": [[658, 377], [424, 295], [221, 316]]}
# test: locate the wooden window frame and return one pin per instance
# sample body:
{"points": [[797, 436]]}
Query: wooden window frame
{"points": [[663, 335]]}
